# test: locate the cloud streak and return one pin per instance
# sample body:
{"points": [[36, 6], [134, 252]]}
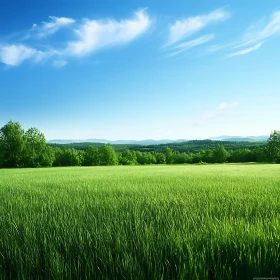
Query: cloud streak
{"points": [[248, 50], [258, 32], [52, 26], [191, 44], [225, 106], [188, 26], [94, 35], [255, 36], [179, 31], [59, 63], [221, 110]]}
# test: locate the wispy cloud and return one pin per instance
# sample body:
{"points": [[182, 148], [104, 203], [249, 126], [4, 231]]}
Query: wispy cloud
{"points": [[87, 37], [248, 50], [96, 34], [191, 44], [59, 63], [53, 25], [188, 26], [221, 110], [225, 106], [47, 28], [179, 31], [255, 36], [259, 31], [14, 55]]}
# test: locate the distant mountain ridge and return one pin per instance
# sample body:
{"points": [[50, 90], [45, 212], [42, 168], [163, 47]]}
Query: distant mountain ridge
{"points": [[115, 142], [157, 142], [242, 138]]}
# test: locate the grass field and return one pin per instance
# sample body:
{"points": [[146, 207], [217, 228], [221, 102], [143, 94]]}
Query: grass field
{"points": [[140, 222]]}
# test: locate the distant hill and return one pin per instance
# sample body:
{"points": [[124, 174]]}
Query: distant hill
{"points": [[158, 142], [116, 142], [241, 138]]}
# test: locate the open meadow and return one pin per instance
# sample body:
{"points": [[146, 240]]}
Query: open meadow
{"points": [[140, 222]]}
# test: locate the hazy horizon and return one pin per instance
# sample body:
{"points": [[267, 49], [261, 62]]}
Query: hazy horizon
{"points": [[159, 139]]}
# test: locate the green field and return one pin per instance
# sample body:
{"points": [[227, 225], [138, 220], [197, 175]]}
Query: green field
{"points": [[140, 222]]}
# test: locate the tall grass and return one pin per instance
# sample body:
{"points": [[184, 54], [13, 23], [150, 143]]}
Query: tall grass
{"points": [[148, 222]]}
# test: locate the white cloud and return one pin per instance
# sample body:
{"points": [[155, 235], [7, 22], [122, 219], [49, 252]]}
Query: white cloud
{"points": [[96, 34], [14, 55], [183, 28], [191, 44], [224, 106], [220, 111], [59, 63], [91, 35], [259, 31], [248, 50], [53, 25]]}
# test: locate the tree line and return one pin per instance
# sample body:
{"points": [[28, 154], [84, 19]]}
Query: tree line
{"points": [[191, 146], [19, 148]]}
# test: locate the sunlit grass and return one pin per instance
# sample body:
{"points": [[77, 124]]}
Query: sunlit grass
{"points": [[148, 222]]}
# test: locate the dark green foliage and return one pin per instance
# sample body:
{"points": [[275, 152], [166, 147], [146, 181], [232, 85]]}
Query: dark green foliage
{"points": [[160, 158], [23, 149], [145, 158], [57, 156], [68, 157], [261, 154], [128, 157], [197, 157], [46, 158], [207, 156], [91, 156], [107, 155], [195, 146], [192, 146], [169, 154], [180, 158], [12, 144], [273, 147], [241, 155], [220, 154], [36, 152]]}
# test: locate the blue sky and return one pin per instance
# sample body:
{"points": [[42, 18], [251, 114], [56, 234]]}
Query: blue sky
{"points": [[140, 69]]}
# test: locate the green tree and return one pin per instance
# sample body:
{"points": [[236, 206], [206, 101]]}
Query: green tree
{"points": [[220, 154], [145, 158], [107, 155], [261, 154], [241, 155], [57, 156], [169, 154], [1, 157], [47, 157], [139, 157], [68, 157], [273, 147], [91, 156], [196, 157], [207, 156], [128, 157], [12, 144], [36, 152], [160, 158]]}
